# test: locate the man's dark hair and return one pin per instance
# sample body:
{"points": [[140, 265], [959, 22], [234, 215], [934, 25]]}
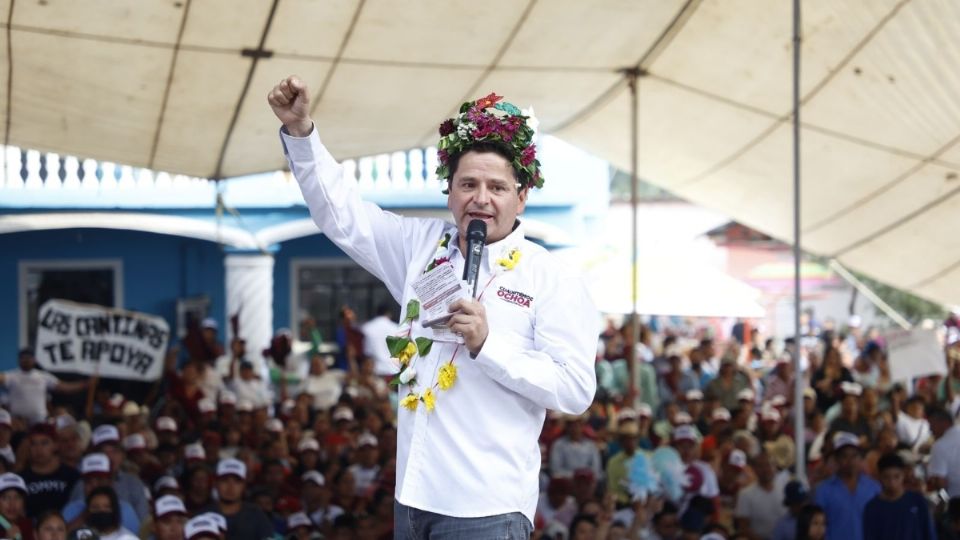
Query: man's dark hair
{"points": [[939, 413], [914, 400], [953, 509], [384, 309], [891, 460], [111, 494], [580, 518], [484, 147], [669, 508], [706, 342], [24, 353]]}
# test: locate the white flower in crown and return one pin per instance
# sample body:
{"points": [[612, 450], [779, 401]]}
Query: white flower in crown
{"points": [[532, 121], [465, 129], [407, 375]]}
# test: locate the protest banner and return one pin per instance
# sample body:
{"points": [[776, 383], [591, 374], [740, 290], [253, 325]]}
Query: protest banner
{"points": [[914, 353], [96, 340]]}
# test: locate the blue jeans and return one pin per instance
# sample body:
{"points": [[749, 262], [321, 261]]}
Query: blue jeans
{"points": [[413, 524]]}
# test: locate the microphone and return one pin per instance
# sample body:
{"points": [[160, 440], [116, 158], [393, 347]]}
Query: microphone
{"points": [[476, 238]]}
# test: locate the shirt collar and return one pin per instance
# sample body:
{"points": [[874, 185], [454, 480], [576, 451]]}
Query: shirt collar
{"points": [[494, 250]]}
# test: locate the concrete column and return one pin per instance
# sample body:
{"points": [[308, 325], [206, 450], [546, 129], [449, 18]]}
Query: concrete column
{"points": [[249, 283]]}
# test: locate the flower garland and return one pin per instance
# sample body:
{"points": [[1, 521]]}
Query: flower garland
{"points": [[406, 349], [490, 120]]}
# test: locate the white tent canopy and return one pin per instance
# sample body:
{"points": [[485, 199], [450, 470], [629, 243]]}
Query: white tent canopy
{"points": [[180, 86]]}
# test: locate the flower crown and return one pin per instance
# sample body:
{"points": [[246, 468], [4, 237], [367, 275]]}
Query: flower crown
{"points": [[490, 120]]}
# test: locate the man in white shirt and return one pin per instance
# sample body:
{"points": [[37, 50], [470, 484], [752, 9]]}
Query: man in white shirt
{"points": [[28, 388], [944, 467], [375, 332], [467, 444], [760, 505], [248, 386]]}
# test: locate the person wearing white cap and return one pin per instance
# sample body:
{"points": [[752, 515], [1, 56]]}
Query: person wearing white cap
{"points": [[28, 388], [844, 495], [96, 472], [702, 479], [366, 468], [218, 520], [850, 418], [618, 466], [13, 492], [299, 526], [169, 518], [201, 528], [574, 450], [129, 487], [245, 521], [759, 506], [317, 499], [779, 382]]}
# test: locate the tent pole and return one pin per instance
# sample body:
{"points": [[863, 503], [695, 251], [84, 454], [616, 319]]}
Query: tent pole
{"points": [[798, 379], [633, 75], [872, 296]]}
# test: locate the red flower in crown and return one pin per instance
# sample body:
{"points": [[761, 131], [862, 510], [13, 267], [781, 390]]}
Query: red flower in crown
{"points": [[446, 127], [488, 101], [528, 155]]}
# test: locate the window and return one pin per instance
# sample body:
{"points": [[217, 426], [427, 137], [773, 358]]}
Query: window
{"points": [[89, 282], [320, 287]]}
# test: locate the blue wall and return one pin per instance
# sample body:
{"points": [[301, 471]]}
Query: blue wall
{"points": [[157, 270]]}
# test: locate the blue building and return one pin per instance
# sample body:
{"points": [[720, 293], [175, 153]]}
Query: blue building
{"points": [[178, 247]]}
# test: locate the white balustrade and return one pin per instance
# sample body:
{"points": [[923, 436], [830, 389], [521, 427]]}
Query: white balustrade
{"points": [[417, 181], [398, 170], [432, 182], [349, 170], [382, 162], [366, 173], [71, 179], [52, 164], [33, 180], [11, 168]]}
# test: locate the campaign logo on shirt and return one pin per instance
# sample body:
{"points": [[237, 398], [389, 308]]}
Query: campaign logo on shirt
{"points": [[515, 297]]}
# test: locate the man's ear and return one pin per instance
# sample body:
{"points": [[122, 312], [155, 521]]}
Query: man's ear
{"points": [[522, 194]]}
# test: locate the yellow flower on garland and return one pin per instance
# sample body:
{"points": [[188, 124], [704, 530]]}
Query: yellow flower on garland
{"points": [[407, 353], [511, 260], [447, 376], [410, 402], [429, 399]]}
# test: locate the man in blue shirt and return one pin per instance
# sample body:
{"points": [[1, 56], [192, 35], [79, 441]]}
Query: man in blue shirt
{"points": [[844, 495], [895, 513]]}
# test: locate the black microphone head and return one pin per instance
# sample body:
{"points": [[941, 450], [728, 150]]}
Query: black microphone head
{"points": [[477, 230]]}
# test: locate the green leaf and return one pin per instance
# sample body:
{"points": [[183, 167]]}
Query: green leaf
{"points": [[395, 381], [423, 346], [395, 344], [413, 310]]}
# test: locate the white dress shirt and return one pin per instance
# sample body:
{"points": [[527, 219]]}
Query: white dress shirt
{"points": [[477, 453]]}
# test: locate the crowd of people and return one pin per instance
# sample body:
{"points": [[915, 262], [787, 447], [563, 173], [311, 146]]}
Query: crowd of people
{"points": [[689, 437]]}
